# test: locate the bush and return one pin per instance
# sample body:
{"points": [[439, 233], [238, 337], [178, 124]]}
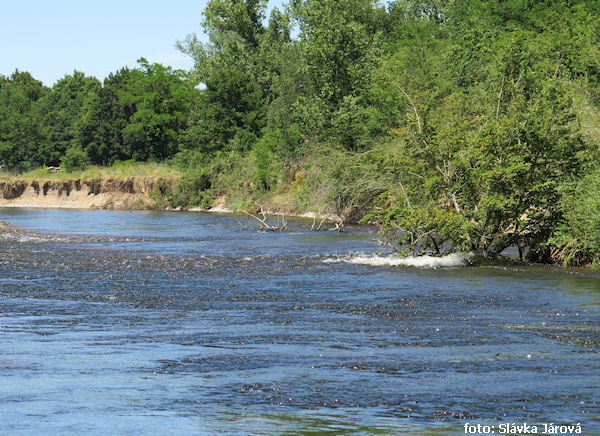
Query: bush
{"points": [[75, 159], [577, 238], [193, 189], [264, 174]]}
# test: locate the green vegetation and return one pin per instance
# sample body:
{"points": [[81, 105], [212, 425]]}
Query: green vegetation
{"points": [[454, 125], [118, 171]]}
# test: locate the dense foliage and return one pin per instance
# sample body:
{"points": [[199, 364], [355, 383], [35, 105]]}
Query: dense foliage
{"points": [[455, 125], [136, 114]]}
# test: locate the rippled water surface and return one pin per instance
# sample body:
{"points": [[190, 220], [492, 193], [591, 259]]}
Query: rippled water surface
{"points": [[185, 323]]}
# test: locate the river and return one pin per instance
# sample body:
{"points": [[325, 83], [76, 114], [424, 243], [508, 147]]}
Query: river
{"points": [[144, 323]]}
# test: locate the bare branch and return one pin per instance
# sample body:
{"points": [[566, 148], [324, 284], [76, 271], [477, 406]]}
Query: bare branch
{"points": [[263, 222]]}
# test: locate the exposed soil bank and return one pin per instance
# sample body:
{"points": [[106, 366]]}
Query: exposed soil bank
{"points": [[109, 193]]}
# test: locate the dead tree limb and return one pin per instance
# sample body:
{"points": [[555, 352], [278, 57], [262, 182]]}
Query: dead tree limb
{"points": [[338, 227], [317, 228], [263, 222]]}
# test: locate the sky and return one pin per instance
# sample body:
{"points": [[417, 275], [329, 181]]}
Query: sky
{"points": [[51, 39]]}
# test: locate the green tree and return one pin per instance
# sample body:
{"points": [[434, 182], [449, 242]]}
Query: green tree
{"points": [[241, 17], [230, 114], [235, 29], [100, 128], [21, 127], [138, 114], [340, 42], [162, 99], [489, 153], [63, 107]]}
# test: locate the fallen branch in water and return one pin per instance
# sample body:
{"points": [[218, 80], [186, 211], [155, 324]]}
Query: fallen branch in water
{"points": [[264, 224], [337, 226], [312, 228]]}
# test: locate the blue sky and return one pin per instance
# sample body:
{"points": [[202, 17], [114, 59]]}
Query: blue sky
{"points": [[53, 38]]}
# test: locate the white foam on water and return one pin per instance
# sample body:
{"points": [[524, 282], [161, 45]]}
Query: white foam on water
{"points": [[29, 239], [431, 262], [20, 237]]}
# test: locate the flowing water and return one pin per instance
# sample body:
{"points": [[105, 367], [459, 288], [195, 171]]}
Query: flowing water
{"points": [[184, 323]]}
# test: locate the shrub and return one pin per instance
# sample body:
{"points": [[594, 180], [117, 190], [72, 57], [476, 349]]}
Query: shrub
{"points": [[577, 238], [74, 159], [193, 189]]}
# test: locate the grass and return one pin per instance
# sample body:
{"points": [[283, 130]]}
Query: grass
{"points": [[119, 170]]}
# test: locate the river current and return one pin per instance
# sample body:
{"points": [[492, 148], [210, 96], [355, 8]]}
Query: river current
{"points": [[160, 323]]}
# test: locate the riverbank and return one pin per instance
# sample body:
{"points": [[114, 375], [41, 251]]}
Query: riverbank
{"points": [[126, 193], [123, 186], [109, 193]]}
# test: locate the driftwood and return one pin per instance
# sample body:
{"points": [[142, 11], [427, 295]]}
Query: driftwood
{"points": [[312, 228], [264, 224], [337, 226]]}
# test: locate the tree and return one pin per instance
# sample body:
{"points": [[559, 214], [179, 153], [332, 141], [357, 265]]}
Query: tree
{"points": [[487, 157], [241, 17], [162, 99], [21, 127], [63, 108], [235, 29], [105, 115], [230, 114], [138, 114], [576, 239], [340, 42]]}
